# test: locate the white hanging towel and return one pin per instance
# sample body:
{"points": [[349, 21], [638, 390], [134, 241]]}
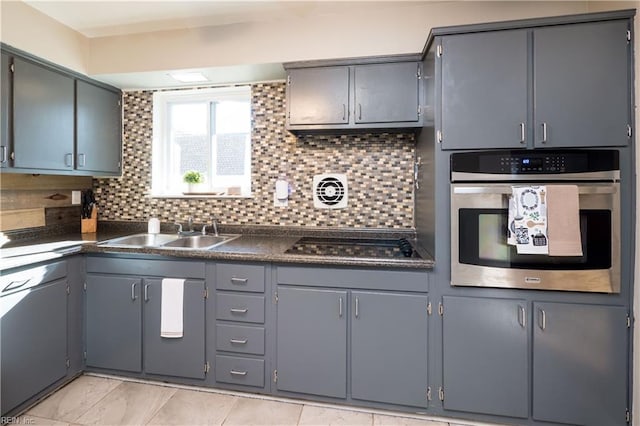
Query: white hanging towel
{"points": [[529, 224], [171, 315], [563, 217]]}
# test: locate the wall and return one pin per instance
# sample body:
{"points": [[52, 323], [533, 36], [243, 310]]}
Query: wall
{"points": [[24, 27], [379, 169]]}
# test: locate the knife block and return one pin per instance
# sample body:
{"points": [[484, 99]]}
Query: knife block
{"points": [[90, 225]]}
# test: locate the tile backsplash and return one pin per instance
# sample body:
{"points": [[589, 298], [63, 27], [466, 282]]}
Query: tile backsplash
{"points": [[379, 168]]}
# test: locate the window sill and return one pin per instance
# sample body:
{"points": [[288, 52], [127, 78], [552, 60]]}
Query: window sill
{"points": [[199, 196]]}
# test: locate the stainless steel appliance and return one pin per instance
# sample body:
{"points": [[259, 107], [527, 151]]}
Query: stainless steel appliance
{"points": [[481, 184]]}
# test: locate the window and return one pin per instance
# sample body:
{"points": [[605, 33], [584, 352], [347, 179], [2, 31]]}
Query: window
{"points": [[206, 130]]}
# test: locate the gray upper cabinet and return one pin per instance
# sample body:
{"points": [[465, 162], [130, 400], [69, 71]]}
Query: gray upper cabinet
{"points": [[318, 96], [43, 117], [386, 93], [484, 90], [5, 105], [582, 84], [184, 356], [114, 322], [98, 129], [485, 356], [565, 85], [373, 94], [312, 341], [389, 348], [580, 364]]}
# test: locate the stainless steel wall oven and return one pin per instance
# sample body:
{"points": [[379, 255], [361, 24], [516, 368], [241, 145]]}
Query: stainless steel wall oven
{"points": [[481, 186]]}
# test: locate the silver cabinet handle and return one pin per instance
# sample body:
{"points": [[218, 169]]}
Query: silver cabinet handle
{"points": [[238, 311], [522, 132], [133, 291], [357, 307], [344, 111], [235, 280], [239, 341], [3, 154], [238, 373], [340, 307], [359, 112], [68, 159], [522, 316], [543, 319], [146, 292], [544, 133], [81, 160]]}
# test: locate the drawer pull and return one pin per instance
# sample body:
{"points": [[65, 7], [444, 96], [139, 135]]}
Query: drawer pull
{"points": [[239, 341], [239, 311], [16, 284], [238, 373], [235, 280]]}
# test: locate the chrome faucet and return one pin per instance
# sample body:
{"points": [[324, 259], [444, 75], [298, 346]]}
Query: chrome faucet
{"points": [[190, 223], [215, 227], [179, 225]]}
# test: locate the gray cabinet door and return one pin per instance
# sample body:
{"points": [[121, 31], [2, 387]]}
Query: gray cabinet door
{"points": [[181, 357], [386, 93], [485, 356], [389, 348], [312, 341], [580, 364], [484, 90], [114, 322], [99, 129], [582, 84], [318, 95], [34, 341], [43, 117], [5, 104]]}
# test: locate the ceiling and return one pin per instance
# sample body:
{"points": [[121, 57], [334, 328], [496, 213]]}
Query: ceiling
{"points": [[100, 18]]}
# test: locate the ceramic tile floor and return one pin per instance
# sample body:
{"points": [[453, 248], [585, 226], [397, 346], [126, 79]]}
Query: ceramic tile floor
{"points": [[98, 400]]}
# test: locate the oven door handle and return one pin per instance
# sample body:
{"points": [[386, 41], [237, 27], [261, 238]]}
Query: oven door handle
{"points": [[506, 190]]}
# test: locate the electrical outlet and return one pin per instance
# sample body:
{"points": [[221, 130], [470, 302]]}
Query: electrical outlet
{"points": [[280, 203], [75, 197]]}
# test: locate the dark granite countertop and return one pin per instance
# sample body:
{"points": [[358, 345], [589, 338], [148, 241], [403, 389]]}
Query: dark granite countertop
{"points": [[259, 244]]}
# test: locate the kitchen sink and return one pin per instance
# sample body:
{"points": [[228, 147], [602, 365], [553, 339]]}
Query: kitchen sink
{"points": [[141, 240], [200, 241], [173, 241]]}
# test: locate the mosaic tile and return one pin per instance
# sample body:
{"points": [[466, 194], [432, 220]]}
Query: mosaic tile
{"points": [[379, 169]]}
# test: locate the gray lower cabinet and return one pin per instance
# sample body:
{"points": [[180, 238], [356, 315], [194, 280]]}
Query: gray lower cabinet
{"points": [[114, 322], [98, 129], [389, 347], [33, 333], [184, 356], [485, 356], [5, 108], [580, 363], [312, 341], [539, 87], [43, 117]]}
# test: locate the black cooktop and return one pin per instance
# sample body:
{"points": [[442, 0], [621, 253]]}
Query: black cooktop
{"points": [[361, 248]]}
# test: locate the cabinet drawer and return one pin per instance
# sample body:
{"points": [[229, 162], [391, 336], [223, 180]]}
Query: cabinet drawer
{"points": [[28, 278], [240, 371], [238, 277], [240, 338], [240, 307]]}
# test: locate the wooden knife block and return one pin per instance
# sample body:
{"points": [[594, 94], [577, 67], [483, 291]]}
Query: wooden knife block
{"points": [[90, 225]]}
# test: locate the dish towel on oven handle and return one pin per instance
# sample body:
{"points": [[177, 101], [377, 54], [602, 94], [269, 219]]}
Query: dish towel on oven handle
{"points": [[528, 219], [563, 219], [171, 315]]}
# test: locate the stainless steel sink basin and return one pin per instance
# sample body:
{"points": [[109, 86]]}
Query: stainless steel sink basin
{"points": [[200, 241], [141, 240]]}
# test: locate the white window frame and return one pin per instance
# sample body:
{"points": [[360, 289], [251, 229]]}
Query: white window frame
{"points": [[161, 155]]}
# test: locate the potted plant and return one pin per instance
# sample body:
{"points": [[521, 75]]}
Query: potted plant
{"points": [[194, 180]]}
